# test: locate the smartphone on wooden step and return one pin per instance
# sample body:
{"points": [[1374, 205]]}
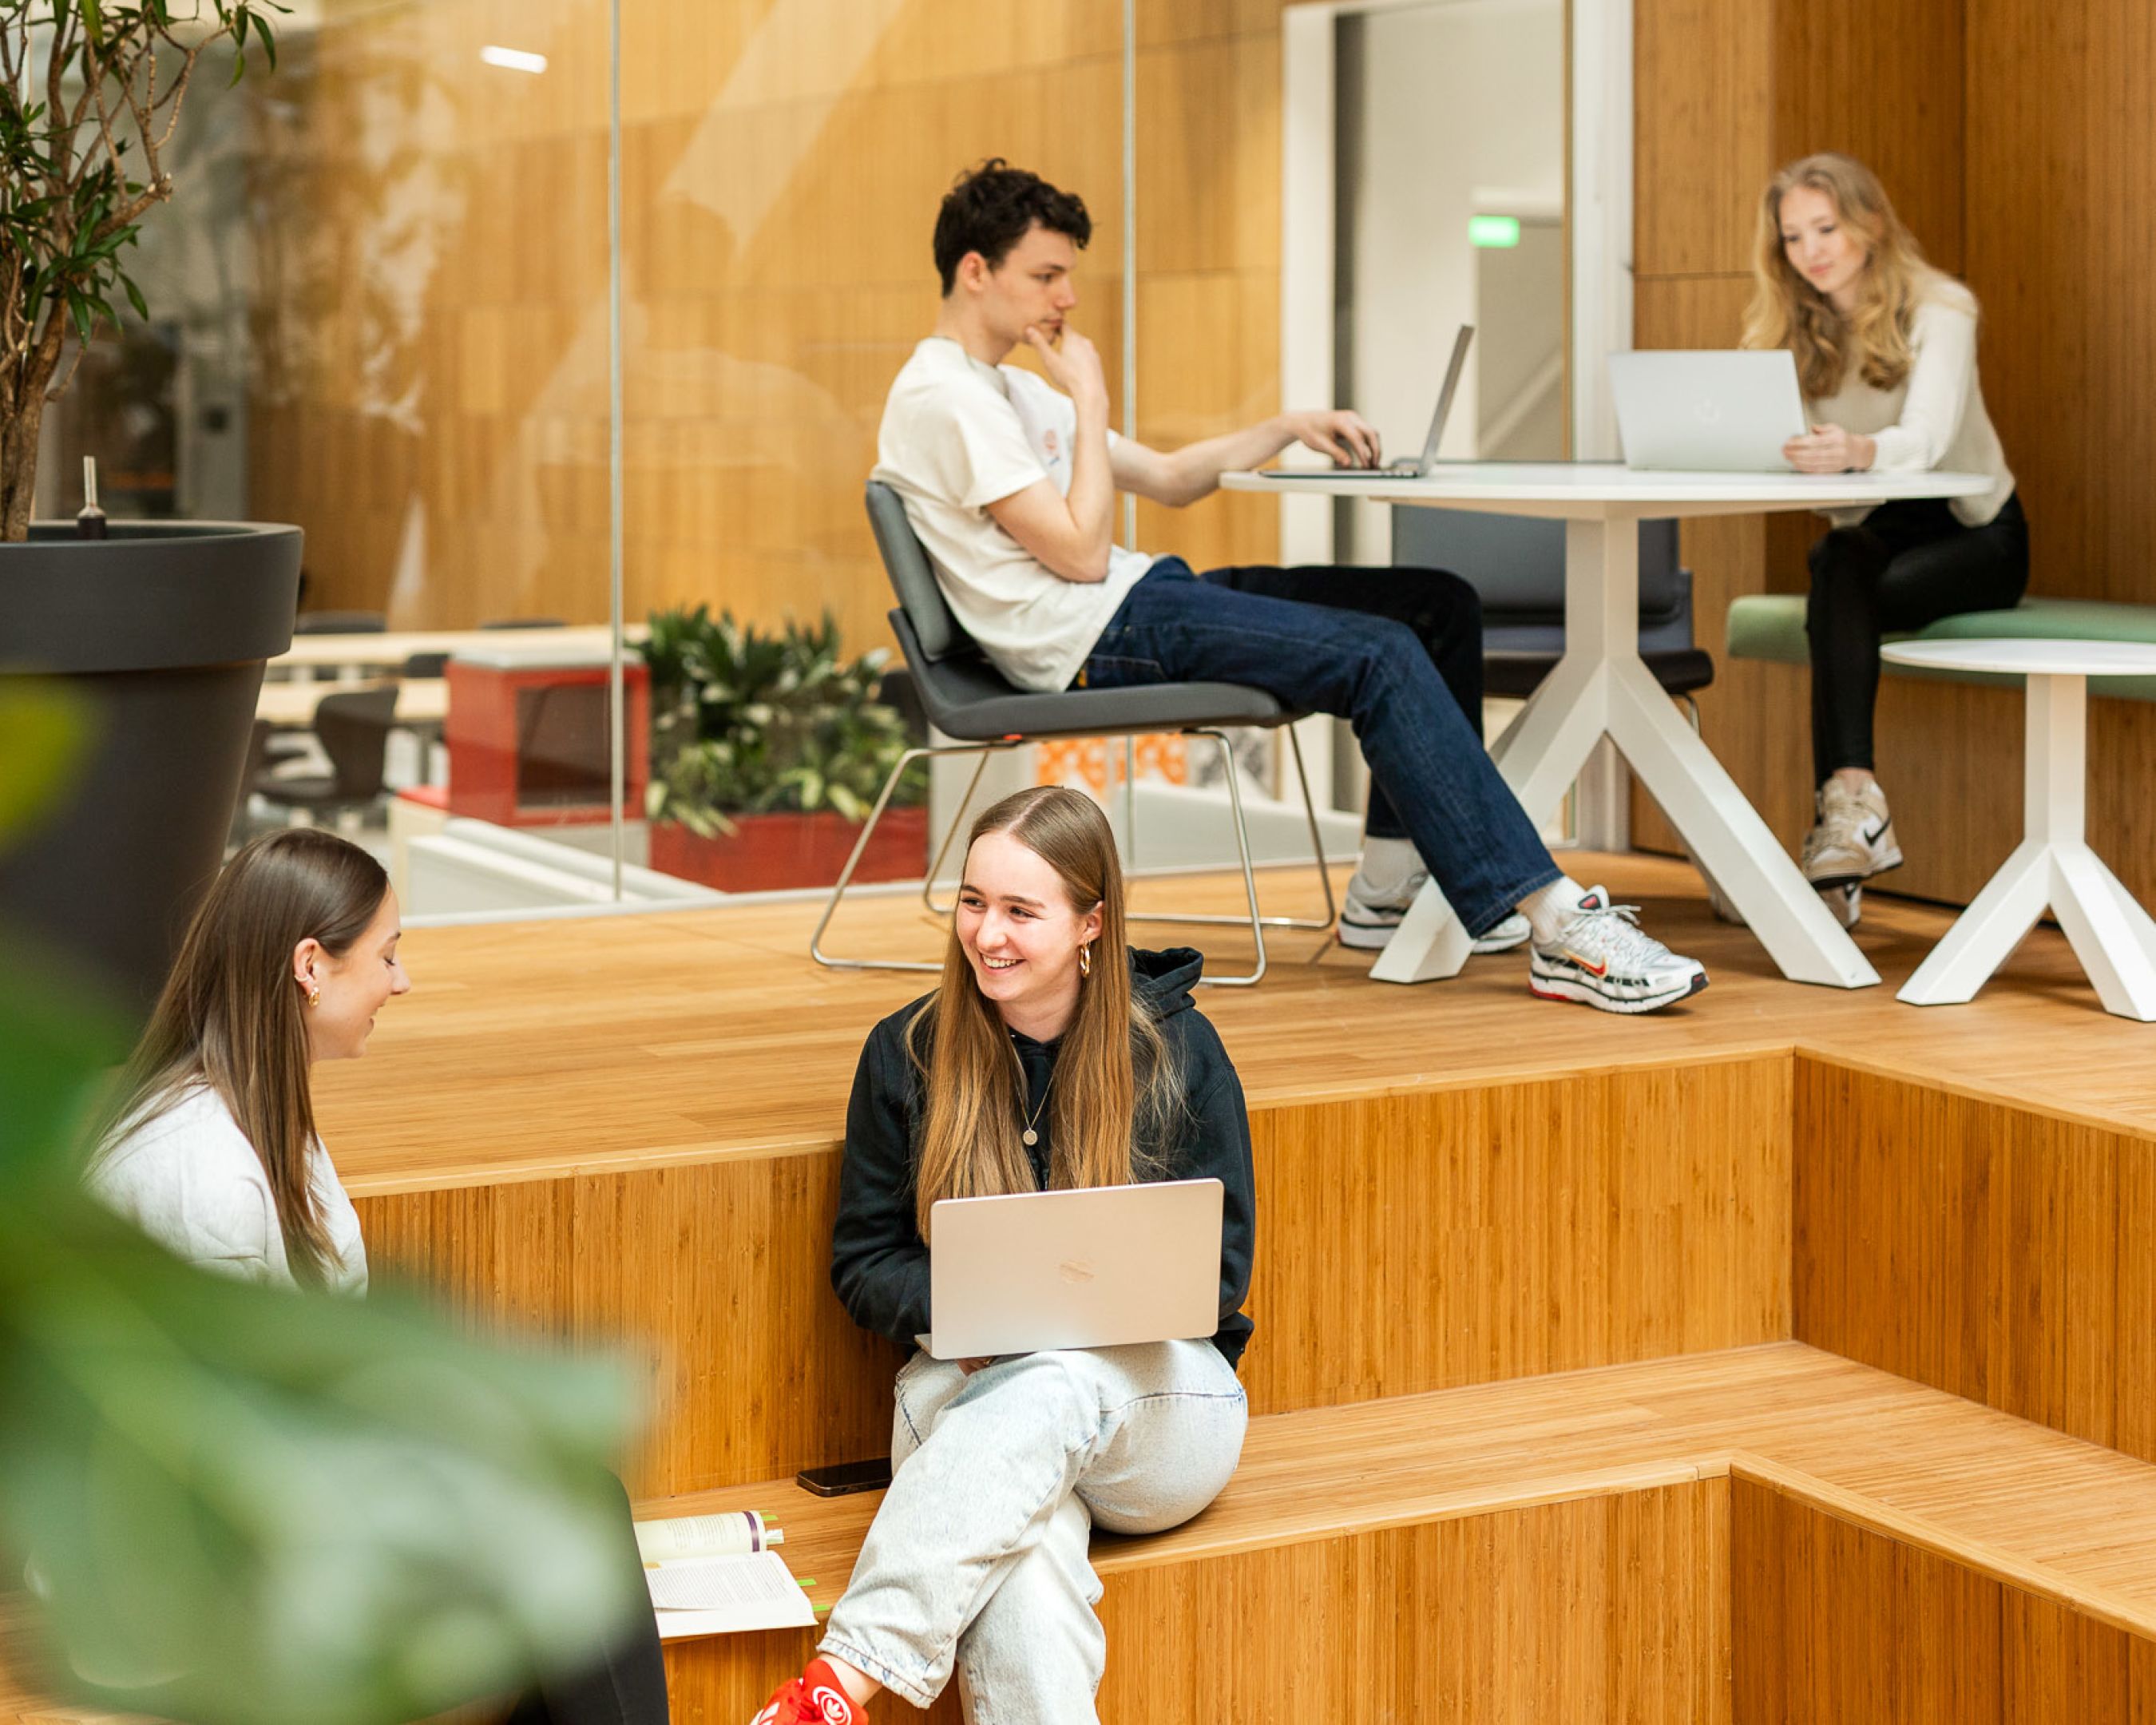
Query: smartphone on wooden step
{"points": [[846, 1478]]}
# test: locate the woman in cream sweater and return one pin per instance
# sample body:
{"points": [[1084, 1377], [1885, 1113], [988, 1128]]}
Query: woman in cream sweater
{"points": [[1885, 352]]}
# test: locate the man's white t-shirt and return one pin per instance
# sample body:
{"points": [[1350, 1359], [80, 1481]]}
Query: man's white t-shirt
{"points": [[957, 435]]}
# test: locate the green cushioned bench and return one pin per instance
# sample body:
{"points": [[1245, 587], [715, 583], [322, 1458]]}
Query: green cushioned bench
{"points": [[1771, 626]]}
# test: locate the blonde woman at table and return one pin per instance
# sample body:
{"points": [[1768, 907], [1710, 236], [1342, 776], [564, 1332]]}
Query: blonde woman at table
{"points": [[1885, 352]]}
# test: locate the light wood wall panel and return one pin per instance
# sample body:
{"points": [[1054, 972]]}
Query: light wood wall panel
{"points": [[1599, 1609], [1413, 1243], [2061, 239], [1997, 1253], [433, 402]]}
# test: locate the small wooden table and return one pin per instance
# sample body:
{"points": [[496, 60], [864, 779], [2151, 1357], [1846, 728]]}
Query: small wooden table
{"points": [[290, 706], [2053, 867]]}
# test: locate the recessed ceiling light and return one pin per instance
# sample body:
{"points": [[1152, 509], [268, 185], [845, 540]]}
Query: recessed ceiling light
{"points": [[513, 59]]}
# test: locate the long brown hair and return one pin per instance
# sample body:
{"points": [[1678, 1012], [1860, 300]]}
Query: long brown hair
{"points": [[231, 1016], [1788, 312], [1118, 1089]]}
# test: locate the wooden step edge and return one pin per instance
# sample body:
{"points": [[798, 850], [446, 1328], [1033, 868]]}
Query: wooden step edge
{"points": [[1863, 1511]]}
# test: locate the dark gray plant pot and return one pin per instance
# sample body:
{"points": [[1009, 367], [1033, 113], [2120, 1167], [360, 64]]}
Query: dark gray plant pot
{"points": [[160, 631]]}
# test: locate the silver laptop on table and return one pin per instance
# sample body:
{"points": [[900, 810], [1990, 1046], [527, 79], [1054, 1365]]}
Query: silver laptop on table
{"points": [[1713, 412], [1416, 469], [1095, 1268]]}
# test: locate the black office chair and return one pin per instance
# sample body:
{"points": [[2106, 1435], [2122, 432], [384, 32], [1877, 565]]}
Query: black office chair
{"points": [[353, 729], [1517, 565], [965, 698]]}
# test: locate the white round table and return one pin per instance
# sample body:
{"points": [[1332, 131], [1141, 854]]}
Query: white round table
{"points": [[1602, 688], [2053, 867]]}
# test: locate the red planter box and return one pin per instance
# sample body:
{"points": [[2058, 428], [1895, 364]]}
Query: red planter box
{"points": [[769, 852]]}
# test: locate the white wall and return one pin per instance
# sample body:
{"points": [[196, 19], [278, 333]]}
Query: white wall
{"points": [[1460, 112]]}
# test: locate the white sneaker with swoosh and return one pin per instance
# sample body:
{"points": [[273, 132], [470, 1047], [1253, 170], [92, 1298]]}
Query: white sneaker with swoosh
{"points": [[1603, 958], [1853, 839]]}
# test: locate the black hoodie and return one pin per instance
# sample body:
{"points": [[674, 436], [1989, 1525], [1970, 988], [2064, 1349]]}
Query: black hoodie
{"points": [[878, 1260]]}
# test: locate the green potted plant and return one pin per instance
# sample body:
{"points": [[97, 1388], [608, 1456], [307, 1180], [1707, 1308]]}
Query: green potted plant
{"points": [[163, 629], [767, 752]]}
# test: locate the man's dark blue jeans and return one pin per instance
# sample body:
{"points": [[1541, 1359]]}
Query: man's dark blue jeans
{"points": [[1308, 637]]}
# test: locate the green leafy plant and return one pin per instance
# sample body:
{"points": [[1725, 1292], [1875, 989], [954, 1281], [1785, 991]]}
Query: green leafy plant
{"points": [[90, 95], [248, 1506], [745, 723]]}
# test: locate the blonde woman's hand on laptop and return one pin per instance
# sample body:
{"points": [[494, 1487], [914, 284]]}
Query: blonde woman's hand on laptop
{"points": [[1827, 449], [1345, 435]]}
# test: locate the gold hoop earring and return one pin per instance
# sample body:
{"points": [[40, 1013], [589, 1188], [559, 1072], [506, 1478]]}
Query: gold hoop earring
{"points": [[1085, 959], [315, 995]]}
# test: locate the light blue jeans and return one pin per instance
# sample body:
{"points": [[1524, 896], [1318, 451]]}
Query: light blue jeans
{"points": [[978, 1558]]}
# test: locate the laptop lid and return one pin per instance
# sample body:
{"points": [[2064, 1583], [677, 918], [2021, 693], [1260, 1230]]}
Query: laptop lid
{"points": [[1712, 412], [1454, 368], [1099, 1267], [1421, 469]]}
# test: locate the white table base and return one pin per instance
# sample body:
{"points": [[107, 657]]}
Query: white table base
{"points": [[1601, 688], [2053, 868]]}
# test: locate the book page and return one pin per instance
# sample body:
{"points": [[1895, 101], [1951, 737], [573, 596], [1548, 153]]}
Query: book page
{"points": [[736, 1533], [719, 1596]]}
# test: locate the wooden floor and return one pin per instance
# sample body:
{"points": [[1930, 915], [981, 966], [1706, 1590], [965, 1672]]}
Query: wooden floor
{"points": [[538, 1049]]}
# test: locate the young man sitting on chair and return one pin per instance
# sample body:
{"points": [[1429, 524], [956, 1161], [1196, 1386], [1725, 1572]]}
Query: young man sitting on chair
{"points": [[1011, 486]]}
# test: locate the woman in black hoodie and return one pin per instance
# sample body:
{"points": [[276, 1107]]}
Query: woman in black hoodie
{"points": [[1050, 1057]]}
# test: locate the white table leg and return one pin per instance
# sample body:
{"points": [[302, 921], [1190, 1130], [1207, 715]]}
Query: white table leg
{"points": [[1985, 933], [1602, 688], [1732, 844], [2111, 936]]}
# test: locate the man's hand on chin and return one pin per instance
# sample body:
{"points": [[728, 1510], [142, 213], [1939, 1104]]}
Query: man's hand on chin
{"points": [[1073, 365], [1349, 438]]}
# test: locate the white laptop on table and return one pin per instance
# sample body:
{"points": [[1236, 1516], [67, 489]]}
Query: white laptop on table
{"points": [[1413, 470], [1712, 412], [1099, 1267]]}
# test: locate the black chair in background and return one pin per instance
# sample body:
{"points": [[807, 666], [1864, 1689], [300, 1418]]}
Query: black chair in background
{"points": [[353, 730], [967, 699], [1517, 565]]}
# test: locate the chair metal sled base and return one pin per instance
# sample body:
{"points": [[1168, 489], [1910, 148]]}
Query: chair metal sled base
{"points": [[1255, 921]]}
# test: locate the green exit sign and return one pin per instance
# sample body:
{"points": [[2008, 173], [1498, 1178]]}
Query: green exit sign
{"points": [[1493, 231]]}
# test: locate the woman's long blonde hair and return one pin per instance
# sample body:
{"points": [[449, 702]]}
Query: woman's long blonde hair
{"points": [[1114, 1088], [1788, 312], [231, 1016]]}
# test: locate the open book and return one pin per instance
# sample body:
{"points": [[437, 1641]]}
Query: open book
{"points": [[715, 1575]]}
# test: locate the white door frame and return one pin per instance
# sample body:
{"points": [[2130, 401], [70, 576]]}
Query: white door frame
{"points": [[1599, 215]]}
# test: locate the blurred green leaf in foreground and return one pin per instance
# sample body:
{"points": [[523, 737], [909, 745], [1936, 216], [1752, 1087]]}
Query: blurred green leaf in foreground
{"points": [[232, 1504]]}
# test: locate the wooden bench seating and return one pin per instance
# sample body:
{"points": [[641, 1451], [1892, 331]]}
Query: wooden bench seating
{"points": [[1618, 1522]]}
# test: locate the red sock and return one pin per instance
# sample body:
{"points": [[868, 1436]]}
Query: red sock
{"points": [[815, 1697]]}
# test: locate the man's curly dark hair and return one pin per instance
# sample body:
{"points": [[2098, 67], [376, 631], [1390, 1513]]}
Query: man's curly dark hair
{"points": [[989, 208]]}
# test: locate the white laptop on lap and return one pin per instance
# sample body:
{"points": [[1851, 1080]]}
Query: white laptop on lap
{"points": [[1099, 1267], [1712, 411]]}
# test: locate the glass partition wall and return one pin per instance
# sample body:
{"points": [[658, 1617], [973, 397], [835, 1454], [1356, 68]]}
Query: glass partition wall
{"points": [[385, 309]]}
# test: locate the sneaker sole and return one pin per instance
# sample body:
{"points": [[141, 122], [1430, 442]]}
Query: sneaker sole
{"points": [[1827, 883], [1553, 989]]}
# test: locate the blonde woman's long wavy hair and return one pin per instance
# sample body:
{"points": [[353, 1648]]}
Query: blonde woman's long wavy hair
{"points": [[1114, 1089], [232, 1017], [1788, 312]]}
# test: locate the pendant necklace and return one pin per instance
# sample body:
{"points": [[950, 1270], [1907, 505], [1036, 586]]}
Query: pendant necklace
{"points": [[1027, 1135]]}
